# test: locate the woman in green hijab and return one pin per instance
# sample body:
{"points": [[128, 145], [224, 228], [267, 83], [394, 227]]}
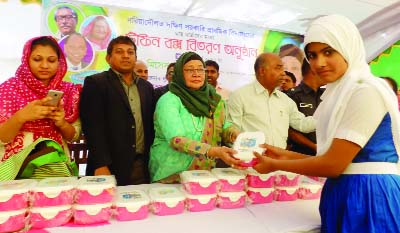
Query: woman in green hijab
{"points": [[189, 125]]}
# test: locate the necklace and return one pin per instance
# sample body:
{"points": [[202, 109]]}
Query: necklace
{"points": [[196, 127]]}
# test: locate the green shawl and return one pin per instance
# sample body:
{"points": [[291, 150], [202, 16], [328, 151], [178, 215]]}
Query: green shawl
{"points": [[200, 102]]}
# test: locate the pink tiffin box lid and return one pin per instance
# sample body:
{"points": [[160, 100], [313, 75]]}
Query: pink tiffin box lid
{"points": [[286, 179], [309, 188], [197, 203], [19, 188], [204, 180], [246, 143], [232, 176], [228, 200], [260, 195], [259, 180], [130, 198], [53, 216], [171, 196], [286, 193], [89, 214], [11, 221], [52, 187]]}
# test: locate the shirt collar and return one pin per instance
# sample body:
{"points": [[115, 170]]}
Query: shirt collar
{"points": [[260, 89], [135, 78]]}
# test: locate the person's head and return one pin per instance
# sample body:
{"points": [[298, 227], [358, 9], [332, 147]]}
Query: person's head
{"points": [[288, 81], [269, 70], [141, 70], [75, 48], [66, 19], [292, 56], [189, 71], [100, 29], [392, 83], [292, 65], [121, 54], [44, 59], [170, 72], [334, 47], [309, 76], [212, 71]]}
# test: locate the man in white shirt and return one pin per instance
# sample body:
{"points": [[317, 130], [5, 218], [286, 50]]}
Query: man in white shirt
{"points": [[260, 106], [212, 71]]}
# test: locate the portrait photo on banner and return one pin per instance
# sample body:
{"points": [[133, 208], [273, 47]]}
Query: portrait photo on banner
{"points": [[78, 52], [99, 30], [64, 19]]}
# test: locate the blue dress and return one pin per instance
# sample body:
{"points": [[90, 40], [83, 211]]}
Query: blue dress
{"points": [[365, 202]]}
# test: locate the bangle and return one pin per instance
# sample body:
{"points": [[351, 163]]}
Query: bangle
{"points": [[208, 157]]}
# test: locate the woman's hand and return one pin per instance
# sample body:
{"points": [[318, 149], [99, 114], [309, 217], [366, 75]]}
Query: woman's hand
{"points": [[264, 164], [227, 155], [35, 110], [58, 115]]}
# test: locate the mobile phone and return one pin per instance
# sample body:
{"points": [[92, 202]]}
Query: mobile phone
{"points": [[55, 97]]}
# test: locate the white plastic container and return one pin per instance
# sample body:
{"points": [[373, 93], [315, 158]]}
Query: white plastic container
{"points": [[45, 217], [246, 143], [309, 189], [286, 193], [92, 214], [258, 180], [166, 200], [131, 204], [231, 200], [54, 191], [260, 195], [95, 190], [199, 182], [13, 221], [196, 203], [286, 179], [14, 194], [230, 180]]}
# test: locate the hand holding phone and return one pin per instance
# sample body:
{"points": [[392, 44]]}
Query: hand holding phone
{"points": [[55, 98]]}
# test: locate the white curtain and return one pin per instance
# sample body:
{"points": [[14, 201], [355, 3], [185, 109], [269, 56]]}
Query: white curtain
{"points": [[381, 30]]}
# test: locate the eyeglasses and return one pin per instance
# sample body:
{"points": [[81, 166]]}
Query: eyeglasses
{"points": [[192, 71], [65, 17]]}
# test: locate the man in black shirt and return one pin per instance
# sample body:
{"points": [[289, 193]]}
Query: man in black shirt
{"points": [[307, 97]]}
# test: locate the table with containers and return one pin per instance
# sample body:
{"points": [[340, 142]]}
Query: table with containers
{"points": [[223, 199]]}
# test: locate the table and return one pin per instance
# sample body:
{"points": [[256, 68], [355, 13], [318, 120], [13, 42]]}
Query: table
{"points": [[276, 217]]}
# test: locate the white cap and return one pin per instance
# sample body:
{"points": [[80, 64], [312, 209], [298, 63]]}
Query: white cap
{"points": [[203, 177], [96, 184], [171, 196], [231, 175], [53, 186], [10, 187], [130, 198]]}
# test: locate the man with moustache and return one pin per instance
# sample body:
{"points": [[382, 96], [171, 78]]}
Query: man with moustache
{"points": [[117, 117]]}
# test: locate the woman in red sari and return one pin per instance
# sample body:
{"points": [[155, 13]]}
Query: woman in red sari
{"points": [[24, 116]]}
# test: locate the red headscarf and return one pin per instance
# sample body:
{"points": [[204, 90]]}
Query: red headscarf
{"points": [[88, 30], [22, 89]]}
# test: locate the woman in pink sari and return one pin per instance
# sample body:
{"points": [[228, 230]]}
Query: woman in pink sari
{"points": [[25, 118], [98, 32]]}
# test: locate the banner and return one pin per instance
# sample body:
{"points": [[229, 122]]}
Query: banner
{"points": [[387, 63], [160, 38]]}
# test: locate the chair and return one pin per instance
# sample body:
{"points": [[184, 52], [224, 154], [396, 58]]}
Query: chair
{"points": [[79, 152]]}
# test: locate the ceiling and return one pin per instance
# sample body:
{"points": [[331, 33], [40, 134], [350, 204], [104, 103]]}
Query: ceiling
{"points": [[283, 15]]}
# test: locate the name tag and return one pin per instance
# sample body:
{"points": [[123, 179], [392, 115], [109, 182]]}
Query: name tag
{"points": [[306, 105]]}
